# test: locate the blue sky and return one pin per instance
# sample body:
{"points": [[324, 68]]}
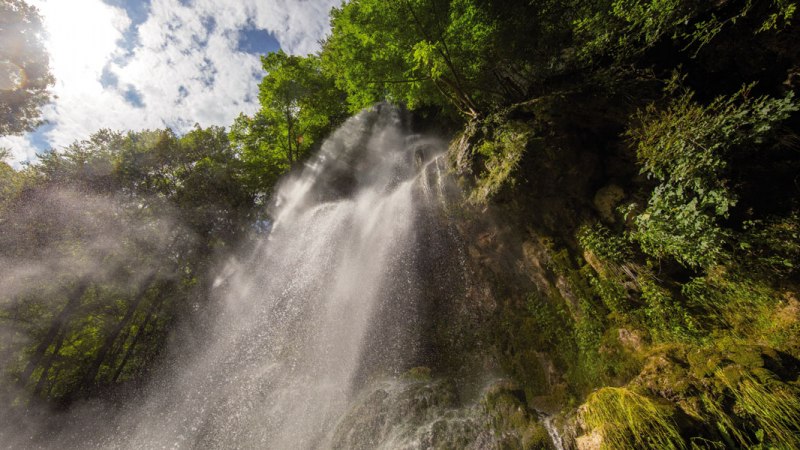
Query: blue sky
{"points": [[138, 64]]}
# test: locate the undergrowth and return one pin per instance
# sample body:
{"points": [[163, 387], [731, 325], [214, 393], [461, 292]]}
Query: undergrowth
{"points": [[628, 420]]}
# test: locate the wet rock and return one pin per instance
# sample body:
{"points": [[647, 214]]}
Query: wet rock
{"points": [[630, 339], [606, 200]]}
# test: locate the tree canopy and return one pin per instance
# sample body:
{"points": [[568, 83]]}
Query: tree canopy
{"points": [[24, 68], [104, 245], [299, 106]]}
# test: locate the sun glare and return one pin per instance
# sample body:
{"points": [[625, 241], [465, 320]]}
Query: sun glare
{"points": [[81, 38], [11, 76]]}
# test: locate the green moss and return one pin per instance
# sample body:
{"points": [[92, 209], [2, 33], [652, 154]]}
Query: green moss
{"points": [[745, 309], [501, 154], [505, 406], [716, 417], [547, 322], [612, 292], [627, 420], [595, 356], [536, 438], [621, 362], [418, 374], [523, 348], [734, 395]]}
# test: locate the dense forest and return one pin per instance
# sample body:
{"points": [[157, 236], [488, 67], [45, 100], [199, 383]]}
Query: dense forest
{"points": [[630, 172]]}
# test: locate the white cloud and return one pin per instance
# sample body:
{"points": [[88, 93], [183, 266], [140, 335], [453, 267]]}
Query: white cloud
{"points": [[182, 69], [21, 149]]}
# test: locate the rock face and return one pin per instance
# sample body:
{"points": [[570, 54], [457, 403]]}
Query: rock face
{"points": [[413, 413], [606, 200], [547, 310], [591, 441]]}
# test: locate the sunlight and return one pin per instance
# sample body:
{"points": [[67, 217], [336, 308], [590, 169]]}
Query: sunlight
{"points": [[11, 76], [82, 38]]}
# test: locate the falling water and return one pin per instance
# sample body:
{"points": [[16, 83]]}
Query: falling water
{"points": [[321, 324], [330, 299], [552, 431]]}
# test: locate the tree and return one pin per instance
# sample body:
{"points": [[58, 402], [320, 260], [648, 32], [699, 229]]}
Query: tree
{"points": [[462, 54], [24, 68], [103, 245], [299, 105], [407, 51]]}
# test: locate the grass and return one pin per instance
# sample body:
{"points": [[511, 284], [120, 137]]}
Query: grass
{"points": [[627, 420], [773, 405]]}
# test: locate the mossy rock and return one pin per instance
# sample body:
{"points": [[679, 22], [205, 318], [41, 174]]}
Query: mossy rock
{"points": [[666, 375], [625, 419], [391, 408], [505, 406], [418, 374], [729, 393], [607, 199]]}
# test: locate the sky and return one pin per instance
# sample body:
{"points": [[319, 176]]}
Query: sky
{"points": [[146, 64]]}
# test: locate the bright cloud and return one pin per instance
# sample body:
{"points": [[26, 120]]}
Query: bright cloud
{"points": [[181, 64]]}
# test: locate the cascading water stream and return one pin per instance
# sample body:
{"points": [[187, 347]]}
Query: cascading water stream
{"points": [[330, 299], [322, 332]]}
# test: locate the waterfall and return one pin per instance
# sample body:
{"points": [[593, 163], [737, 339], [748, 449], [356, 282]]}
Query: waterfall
{"points": [[327, 332], [329, 299]]}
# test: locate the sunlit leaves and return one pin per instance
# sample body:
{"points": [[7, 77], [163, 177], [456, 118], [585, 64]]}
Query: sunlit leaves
{"points": [[299, 105], [688, 149]]}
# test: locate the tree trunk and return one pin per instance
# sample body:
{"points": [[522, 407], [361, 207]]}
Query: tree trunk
{"points": [[48, 363], [91, 374], [150, 314], [54, 330], [289, 126]]}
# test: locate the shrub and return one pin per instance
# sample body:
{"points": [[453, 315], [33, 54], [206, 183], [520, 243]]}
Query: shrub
{"points": [[688, 149]]}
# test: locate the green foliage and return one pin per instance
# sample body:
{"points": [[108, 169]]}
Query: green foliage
{"points": [[500, 155], [452, 54], [589, 369], [741, 306], [782, 13], [627, 420], [627, 26], [709, 251], [624, 29], [632, 293], [688, 149], [742, 396], [771, 246], [10, 183], [417, 52], [24, 68], [108, 242], [582, 348], [603, 243], [299, 106], [665, 317], [613, 293], [733, 395]]}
